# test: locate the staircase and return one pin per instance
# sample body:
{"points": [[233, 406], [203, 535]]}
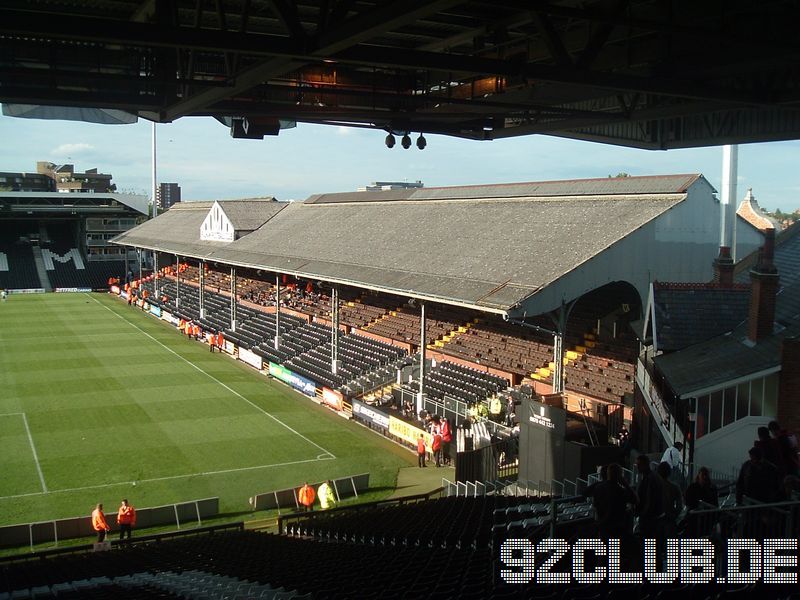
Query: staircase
{"points": [[448, 337], [44, 281]]}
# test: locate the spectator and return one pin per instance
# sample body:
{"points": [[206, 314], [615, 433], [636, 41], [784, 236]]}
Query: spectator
{"points": [[674, 458], [650, 503], [611, 498], [672, 502], [786, 448], [758, 479], [701, 490], [99, 523], [126, 518], [769, 448], [306, 496]]}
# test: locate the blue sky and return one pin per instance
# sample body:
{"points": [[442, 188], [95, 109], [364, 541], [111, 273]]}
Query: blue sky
{"points": [[200, 155]]}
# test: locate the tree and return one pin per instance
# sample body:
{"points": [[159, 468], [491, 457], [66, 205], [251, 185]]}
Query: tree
{"points": [[620, 174]]}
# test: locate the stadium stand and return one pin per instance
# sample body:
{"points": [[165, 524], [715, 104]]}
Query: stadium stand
{"points": [[467, 384], [17, 267], [414, 547]]}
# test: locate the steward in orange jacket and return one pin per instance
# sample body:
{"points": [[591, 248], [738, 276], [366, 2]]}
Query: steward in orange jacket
{"points": [[212, 341], [220, 341], [99, 523], [126, 518], [307, 495]]}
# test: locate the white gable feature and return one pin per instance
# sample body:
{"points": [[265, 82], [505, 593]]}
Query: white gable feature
{"points": [[217, 227]]}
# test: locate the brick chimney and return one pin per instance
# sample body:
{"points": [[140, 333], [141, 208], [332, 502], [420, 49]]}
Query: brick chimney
{"points": [[764, 278], [789, 390], [723, 268]]}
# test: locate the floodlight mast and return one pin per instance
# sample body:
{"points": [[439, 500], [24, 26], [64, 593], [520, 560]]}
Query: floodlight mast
{"points": [[155, 208]]}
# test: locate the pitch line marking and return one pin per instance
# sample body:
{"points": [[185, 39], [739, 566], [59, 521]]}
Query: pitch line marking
{"points": [[232, 391], [167, 478], [33, 449]]}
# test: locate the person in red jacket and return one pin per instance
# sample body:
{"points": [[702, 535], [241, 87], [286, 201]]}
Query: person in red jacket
{"points": [[436, 447], [307, 495], [126, 518], [99, 523], [447, 437], [421, 450], [220, 341]]}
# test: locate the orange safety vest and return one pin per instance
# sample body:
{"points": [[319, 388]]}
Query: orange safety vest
{"points": [[421, 446], [99, 520], [211, 339], [196, 330], [307, 495], [126, 515], [220, 340]]}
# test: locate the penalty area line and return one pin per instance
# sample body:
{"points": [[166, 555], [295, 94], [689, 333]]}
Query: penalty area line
{"points": [[33, 448], [167, 478], [231, 390]]}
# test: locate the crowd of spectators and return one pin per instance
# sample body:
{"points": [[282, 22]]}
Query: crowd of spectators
{"points": [[663, 509]]}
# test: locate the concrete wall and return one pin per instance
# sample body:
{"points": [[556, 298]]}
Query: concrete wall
{"points": [[725, 449]]}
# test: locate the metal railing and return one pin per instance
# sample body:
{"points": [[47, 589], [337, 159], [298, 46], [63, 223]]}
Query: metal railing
{"points": [[296, 519]]}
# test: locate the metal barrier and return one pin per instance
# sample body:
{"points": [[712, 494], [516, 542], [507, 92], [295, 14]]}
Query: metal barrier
{"points": [[157, 537], [284, 521], [344, 487], [752, 520], [43, 532]]}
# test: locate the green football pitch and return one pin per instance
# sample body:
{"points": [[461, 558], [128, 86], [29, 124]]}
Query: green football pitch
{"points": [[99, 401]]}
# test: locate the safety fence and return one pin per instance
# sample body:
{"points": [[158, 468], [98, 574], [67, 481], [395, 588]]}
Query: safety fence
{"points": [[51, 532], [295, 519], [142, 539], [344, 487]]}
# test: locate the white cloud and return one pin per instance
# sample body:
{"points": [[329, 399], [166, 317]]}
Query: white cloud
{"points": [[70, 149]]}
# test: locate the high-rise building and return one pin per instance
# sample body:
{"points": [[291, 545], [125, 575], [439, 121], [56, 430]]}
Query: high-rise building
{"points": [[167, 195]]}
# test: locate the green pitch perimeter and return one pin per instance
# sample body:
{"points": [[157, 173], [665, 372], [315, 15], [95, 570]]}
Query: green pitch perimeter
{"points": [[96, 396]]}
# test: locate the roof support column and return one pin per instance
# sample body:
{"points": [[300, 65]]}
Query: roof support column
{"points": [[139, 254], [277, 310], [202, 289], [233, 299], [127, 270], [156, 275], [334, 330], [177, 281], [560, 321], [422, 345]]}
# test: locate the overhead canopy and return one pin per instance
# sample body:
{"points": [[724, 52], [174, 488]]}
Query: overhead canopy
{"points": [[642, 73], [42, 202], [487, 247]]}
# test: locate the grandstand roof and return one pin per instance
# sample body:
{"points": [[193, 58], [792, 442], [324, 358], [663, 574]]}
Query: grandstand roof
{"points": [[652, 184], [730, 357], [687, 314], [58, 201], [481, 246], [250, 214]]}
